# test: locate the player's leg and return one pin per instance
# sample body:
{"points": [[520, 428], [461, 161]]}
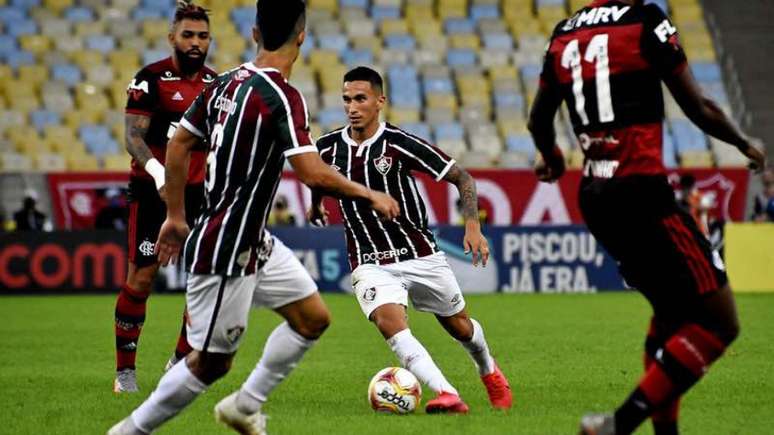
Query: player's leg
{"points": [[286, 287], [218, 308], [664, 419], [469, 333], [145, 218], [383, 299], [182, 347]]}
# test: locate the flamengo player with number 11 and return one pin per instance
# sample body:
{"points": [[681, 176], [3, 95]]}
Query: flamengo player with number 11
{"points": [[607, 62]]}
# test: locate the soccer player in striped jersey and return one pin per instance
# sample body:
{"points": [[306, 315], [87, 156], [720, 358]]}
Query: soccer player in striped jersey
{"points": [[397, 260], [607, 62], [251, 119]]}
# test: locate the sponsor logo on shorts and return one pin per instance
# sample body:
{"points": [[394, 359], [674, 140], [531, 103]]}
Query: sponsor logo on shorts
{"points": [[456, 299], [370, 294], [384, 255], [233, 334], [146, 248]]}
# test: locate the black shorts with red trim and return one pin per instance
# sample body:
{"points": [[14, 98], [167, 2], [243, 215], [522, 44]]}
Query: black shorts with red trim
{"points": [[659, 248], [147, 213]]}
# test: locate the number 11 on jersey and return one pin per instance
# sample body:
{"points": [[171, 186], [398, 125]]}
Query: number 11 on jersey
{"points": [[596, 51]]}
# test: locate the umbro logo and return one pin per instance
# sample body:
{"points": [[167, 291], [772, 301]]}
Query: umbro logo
{"points": [[178, 96]]}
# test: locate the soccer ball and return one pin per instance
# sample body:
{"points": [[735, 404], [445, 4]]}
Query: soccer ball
{"points": [[394, 390]]}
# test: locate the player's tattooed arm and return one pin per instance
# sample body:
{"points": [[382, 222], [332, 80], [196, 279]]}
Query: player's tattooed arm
{"points": [[474, 241], [466, 185], [136, 129]]}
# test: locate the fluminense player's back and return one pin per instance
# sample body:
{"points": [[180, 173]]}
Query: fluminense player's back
{"points": [[252, 119]]}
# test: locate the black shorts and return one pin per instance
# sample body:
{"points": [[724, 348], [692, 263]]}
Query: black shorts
{"points": [[147, 213], [659, 248]]}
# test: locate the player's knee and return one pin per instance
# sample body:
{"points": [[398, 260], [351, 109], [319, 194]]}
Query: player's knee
{"points": [[458, 326], [314, 325], [209, 367], [141, 280]]}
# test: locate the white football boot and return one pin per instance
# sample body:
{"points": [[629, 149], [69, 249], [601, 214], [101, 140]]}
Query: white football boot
{"points": [[227, 413], [125, 382]]}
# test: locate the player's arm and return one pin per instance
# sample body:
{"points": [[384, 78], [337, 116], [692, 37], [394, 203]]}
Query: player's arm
{"points": [[708, 116], [312, 171], [175, 228], [541, 126], [317, 215], [474, 241], [142, 101]]}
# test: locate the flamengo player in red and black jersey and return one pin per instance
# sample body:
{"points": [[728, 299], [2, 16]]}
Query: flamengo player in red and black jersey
{"points": [[395, 260], [607, 62], [157, 98], [252, 119]]}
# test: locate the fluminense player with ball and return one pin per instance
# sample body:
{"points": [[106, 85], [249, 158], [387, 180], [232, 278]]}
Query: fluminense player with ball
{"points": [[397, 260]]}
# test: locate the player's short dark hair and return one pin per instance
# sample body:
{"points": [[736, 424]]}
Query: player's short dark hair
{"points": [[365, 74], [187, 10], [279, 21]]}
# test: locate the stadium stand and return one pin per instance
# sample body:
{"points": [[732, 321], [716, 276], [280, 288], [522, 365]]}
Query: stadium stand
{"points": [[461, 73]]}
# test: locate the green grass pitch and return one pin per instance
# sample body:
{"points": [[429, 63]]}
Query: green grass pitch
{"points": [[564, 354]]}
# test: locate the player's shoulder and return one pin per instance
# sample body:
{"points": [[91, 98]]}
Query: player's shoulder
{"points": [[328, 139], [156, 69], [397, 135]]}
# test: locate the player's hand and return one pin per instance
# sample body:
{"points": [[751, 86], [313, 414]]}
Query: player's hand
{"points": [[552, 170], [756, 152], [317, 216], [384, 204], [171, 237], [476, 243]]}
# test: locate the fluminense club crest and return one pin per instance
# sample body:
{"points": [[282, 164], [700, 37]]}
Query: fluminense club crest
{"points": [[383, 164]]}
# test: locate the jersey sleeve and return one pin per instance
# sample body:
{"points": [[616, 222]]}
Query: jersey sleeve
{"points": [[325, 149], [660, 43], [195, 117], [548, 78], [293, 123], [142, 94], [423, 157]]}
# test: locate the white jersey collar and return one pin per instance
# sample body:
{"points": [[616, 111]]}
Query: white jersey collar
{"points": [[349, 141]]}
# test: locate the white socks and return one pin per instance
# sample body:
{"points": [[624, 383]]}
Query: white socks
{"points": [[414, 357], [176, 390], [283, 350], [479, 350]]}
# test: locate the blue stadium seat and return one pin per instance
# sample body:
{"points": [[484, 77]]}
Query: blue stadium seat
{"points": [[332, 116], [25, 4], [310, 43], [531, 72], [454, 26], [716, 90], [380, 13], [663, 4], [449, 131], [400, 42], [7, 45], [166, 7], [418, 129], [461, 57], [355, 57], [706, 71], [498, 41], [438, 85], [509, 100], [522, 143], [144, 14], [243, 15], [687, 136], [152, 56], [484, 11], [42, 118], [66, 73], [79, 14], [102, 43], [669, 151], [544, 3], [21, 27], [334, 42], [359, 4], [20, 57], [10, 14]]}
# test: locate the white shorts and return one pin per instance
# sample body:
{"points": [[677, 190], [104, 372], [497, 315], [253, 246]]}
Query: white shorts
{"points": [[218, 307], [428, 281]]}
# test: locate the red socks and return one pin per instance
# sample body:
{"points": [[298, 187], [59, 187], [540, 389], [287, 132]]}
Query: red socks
{"points": [[129, 318]]}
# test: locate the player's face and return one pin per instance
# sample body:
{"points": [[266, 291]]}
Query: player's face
{"points": [[191, 41], [362, 103]]}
